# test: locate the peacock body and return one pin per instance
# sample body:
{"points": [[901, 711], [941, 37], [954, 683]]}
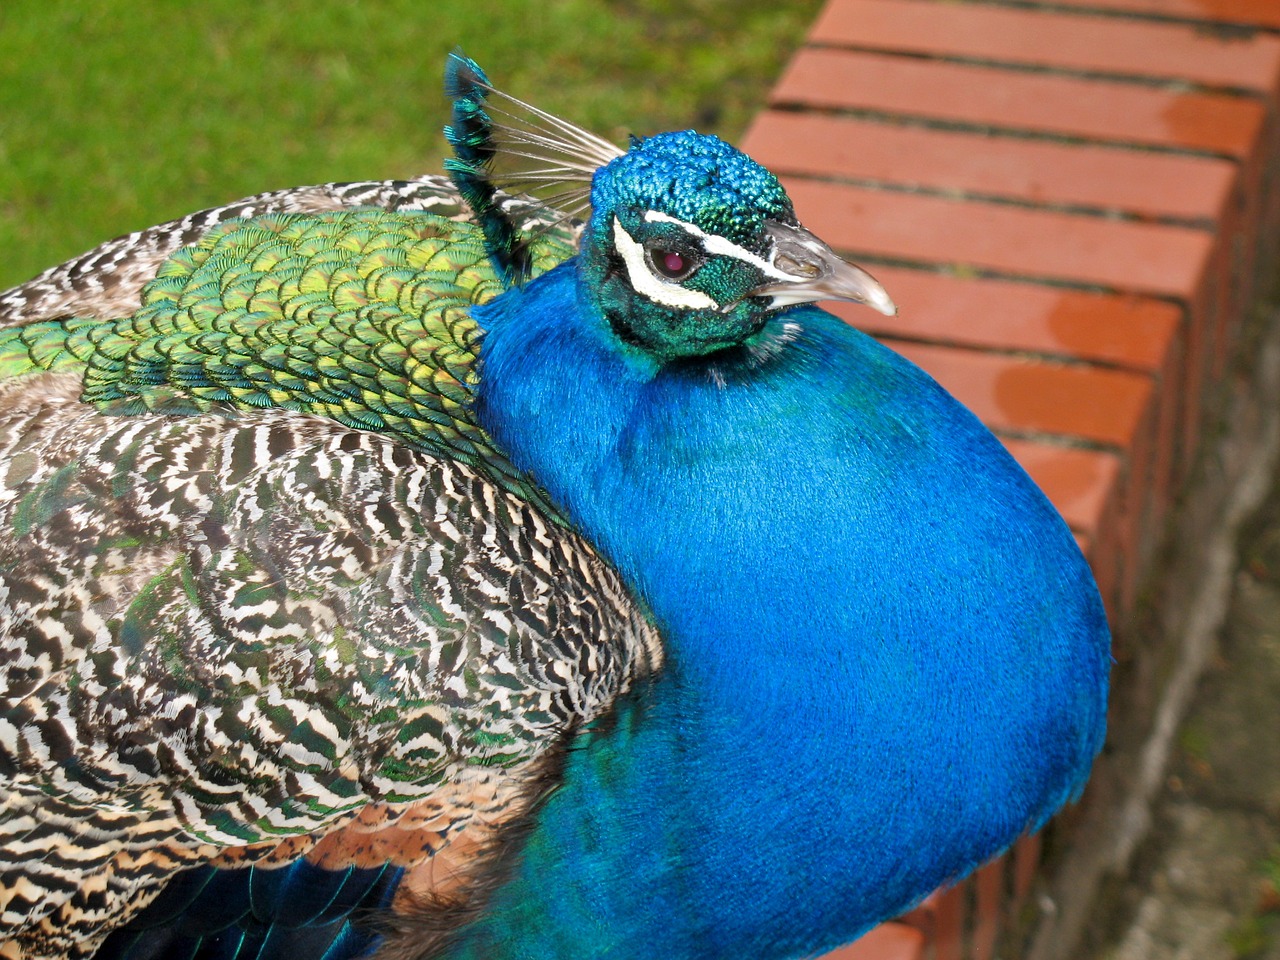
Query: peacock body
{"points": [[401, 568]]}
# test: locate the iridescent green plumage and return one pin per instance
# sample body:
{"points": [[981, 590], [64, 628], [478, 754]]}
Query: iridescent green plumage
{"points": [[359, 316]]}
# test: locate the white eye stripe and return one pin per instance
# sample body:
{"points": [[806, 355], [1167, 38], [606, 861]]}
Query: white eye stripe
{"points": [[717, 245], [644, 281]]}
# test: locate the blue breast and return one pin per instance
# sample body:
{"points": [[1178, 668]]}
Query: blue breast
{"points": [[887, 656]]}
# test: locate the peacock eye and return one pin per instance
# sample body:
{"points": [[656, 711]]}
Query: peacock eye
{"points": [[670, 263]]}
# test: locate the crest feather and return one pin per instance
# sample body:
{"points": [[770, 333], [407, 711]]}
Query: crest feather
{"points": [[549, 158]]}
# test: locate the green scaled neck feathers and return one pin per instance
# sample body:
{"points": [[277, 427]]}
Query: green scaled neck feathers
{"points": [[362, 317]]}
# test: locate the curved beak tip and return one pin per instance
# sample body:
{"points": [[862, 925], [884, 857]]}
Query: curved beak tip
{"points": [[809, 270], [883, 303]]}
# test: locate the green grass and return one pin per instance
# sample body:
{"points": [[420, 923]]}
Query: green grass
{"points": [[117, 114]]}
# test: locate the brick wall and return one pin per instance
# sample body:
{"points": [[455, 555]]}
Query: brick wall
{"points": [[1074, 206]]}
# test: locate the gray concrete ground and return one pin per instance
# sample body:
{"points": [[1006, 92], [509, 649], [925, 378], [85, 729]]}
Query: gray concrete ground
{"points": [[1205, 884]]}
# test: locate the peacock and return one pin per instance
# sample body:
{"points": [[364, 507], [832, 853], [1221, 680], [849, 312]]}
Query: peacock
{"points": [[422, 569]]}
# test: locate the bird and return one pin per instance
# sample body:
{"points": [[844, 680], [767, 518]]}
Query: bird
{"points": [[512, 564]]}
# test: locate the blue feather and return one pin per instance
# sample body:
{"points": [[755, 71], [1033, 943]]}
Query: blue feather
{"points": [[930, 684]]}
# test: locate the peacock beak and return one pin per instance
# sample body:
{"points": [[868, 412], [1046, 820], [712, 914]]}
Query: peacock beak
{"points": [[805, 269]]}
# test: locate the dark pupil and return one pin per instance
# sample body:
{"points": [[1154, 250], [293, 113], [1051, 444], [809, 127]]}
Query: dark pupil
{"points": [[670, 263]]}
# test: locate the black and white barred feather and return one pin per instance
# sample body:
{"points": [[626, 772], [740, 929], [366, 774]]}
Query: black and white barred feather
{"points": [[247, 636]]}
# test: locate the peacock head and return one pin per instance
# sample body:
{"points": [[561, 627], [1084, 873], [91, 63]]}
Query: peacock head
{"points": [[691, 246]]}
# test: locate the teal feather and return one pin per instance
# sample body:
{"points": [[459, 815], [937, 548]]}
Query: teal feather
{"points": [[471, 137]]}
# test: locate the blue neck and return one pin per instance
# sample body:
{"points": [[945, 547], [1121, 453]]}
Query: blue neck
{"points": [[886, 655]]}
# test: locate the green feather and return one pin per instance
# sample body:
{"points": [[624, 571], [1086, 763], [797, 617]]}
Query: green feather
{"points": [[359, 316]]}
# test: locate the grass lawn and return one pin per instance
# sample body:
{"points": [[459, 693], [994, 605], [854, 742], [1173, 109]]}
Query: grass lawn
{"points": [[116, 114]]}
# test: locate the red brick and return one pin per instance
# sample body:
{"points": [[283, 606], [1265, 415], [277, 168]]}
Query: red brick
{"points": [[1015, 100], [889, 941], [1229, 283], [1109, 407], [1197, 342], [1026, 861], [1073, 174], [941, 918], [1065, 41], [1024, 396], [1105, 562], [1080, 483], [1260, 13], [1119, 330], [1162, 259], [1170, 410], [989, 910]]}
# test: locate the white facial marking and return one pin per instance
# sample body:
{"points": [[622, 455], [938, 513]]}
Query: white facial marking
{"points": [[717, 245], [643, 280]]}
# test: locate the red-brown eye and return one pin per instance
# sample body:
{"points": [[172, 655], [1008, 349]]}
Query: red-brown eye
{"points": [[672, 264]]}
